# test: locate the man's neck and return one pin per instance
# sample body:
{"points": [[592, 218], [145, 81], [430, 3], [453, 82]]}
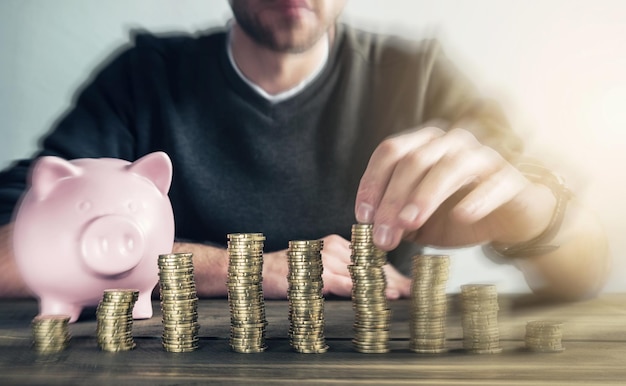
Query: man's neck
{"points": [[273, 71]]}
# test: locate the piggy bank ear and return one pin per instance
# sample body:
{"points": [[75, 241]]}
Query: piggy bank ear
{"points": [[157, 167], [47, 172]]}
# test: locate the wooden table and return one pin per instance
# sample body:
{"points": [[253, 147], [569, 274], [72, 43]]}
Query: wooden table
{"points": [[594, 338]]}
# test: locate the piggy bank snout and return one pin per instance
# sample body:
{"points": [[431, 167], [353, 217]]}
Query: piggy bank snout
{"points": [[111, 245]]}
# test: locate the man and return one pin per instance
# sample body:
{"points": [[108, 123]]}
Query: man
{"points": [[296, 126]]}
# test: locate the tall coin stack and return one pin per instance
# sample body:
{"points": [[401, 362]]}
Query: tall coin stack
{"points": [[306, 302], [50, 333], [372, 313], [245, 292], [179, 302], [429, 304], [480, 318], [114, 314], [544, 336]]}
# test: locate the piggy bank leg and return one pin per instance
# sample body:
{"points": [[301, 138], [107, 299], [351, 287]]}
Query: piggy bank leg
{"points": [[48, 306], [143, 306]]}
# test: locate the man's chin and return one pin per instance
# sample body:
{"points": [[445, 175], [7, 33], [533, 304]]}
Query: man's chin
{"points": [[294, 40]]}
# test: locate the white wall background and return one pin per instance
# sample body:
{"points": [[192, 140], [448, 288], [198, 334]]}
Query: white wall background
{"points": [[558, 66]]}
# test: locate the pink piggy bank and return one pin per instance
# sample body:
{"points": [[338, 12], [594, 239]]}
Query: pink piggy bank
{"points": [[90, 224]]}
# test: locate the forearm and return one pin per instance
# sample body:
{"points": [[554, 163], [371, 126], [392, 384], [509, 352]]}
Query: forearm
{"points": [[579, 267], [210, 267], [11, 283], [211, 270]]}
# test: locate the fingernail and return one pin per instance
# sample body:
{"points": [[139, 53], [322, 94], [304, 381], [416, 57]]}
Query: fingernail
{"points": [[364, 213], [382, 235], [409, 213]]}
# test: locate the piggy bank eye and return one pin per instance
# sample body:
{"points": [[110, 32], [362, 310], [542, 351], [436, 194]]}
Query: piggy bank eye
{"points": [[84, 206]]}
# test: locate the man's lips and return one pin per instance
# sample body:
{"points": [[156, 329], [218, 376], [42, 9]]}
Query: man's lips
{"points": [[291, 5]]}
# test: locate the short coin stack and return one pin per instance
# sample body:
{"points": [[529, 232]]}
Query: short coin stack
{"points": [[179, 302], [544, 336], [429, 304], [480, 318], [50, 333], [372, 313], [114, 330], [245, 292], [306, 302]]}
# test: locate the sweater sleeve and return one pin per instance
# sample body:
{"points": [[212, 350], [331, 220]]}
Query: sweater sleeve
{"points": [[416, 84], [99, 124], [450, 97]]}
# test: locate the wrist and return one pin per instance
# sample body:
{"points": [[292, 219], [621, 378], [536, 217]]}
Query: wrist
{"points": [[210, 266], [543, 242], [275, 271]]}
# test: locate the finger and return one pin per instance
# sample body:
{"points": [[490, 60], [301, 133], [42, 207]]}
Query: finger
{"points": [[337, 284], [398, 285], [380, 168], [336, 257], [334, 240], [336, 253], [410, 170], [498, 189], [449, 176]]}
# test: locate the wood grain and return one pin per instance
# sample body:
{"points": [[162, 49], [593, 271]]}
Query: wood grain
{"points": [[594, 338]]}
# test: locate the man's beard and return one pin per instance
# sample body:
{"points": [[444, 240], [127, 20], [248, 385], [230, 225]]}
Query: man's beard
{"points": [[270, 36]]}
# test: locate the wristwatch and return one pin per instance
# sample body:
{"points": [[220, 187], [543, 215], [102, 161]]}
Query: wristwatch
{"points": [[539, 245]]}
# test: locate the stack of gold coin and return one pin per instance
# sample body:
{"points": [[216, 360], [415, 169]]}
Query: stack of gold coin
{"points": [[306, 302], [179, 302], [115, 320], [245, 292], [429, 304], [480, 318], [50, 333], [544, 336], [372, 313]]}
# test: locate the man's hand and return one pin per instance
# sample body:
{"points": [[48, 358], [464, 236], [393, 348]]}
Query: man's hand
{"points": [[337, 280], [446, 189]]}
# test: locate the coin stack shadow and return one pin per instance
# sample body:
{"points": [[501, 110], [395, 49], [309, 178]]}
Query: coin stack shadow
{"points": [[429, 303], [544, 336], [179, 302], [479, 304], [245, 292], [372, 313], [114, 314], [50, 333], [306, 302]]}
